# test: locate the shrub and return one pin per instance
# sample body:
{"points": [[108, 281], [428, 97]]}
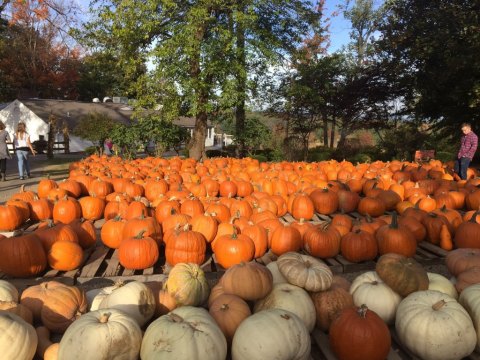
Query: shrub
{"points": [[445, 156], [261, 158], [320, 153], [90, 150]]}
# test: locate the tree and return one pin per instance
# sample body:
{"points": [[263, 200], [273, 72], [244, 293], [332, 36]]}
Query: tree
{"points": [[100, 75], [95, 127], [255, 136], [165, 134], [432, 48], [364, 18], [36, 56], [203, 51]]}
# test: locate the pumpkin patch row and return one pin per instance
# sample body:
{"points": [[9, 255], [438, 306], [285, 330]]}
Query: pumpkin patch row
{"points": [[253, 312], [233, 206]]}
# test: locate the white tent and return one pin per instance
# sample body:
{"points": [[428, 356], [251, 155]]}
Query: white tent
{"points": [[16, 112]]}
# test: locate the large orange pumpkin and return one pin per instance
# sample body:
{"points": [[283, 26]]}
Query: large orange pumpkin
{"points": [[233, 249], [186, 247], [22, 256], [358, 334], [138, 252], [394, 239]]}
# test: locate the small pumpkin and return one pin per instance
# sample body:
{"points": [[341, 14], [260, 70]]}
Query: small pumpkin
{"points": [[442, 284], [187, 284], [229, 311], [133, 298], [8, 292], [370, 290], [329, 304], [250, 281], [305, 271], [404, 275], [292, 298], [460, 260]]}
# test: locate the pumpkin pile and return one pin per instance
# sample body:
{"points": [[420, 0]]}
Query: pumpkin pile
{"points": [[251, 313], [182, 209]]}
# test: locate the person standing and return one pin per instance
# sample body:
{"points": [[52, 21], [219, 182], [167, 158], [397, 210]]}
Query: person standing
{"points": [[107, 146], [22, 145], [4, 153], [468, 146]]}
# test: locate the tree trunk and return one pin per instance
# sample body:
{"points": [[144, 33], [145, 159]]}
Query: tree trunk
{"points": [[196, 145], [325, 130], [52, 122], [305, 146], [343, 137], [241, 76], [333, 133], [197, 142]]}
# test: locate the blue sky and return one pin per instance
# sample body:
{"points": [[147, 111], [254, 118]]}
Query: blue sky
{"points": [[339, 26]]}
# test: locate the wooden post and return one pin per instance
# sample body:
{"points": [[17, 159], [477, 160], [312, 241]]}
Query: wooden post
{"points": [[52, 122], [66, 137]]}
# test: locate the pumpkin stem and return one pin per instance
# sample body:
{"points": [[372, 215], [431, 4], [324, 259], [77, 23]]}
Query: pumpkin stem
{"points": [[140, 234], [104, 317], [368, 218], [175, 318], [473, 219], [285, 316], [224, 307], [362, 311], [394, 224], [438, 305]]}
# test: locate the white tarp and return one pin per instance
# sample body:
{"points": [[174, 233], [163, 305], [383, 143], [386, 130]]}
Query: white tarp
{"points": [[15, 112]]}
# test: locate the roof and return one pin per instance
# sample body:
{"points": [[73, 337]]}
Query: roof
{"points": [[73, 111]]}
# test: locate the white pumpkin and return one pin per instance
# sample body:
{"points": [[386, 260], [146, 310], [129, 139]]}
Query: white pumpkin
{"points": [[370, 290], [434, 326], [8, 292], [470, 300], [292, 298], [96, 296], [134, 298], [442, 284], [278, 278], [18, 339], [271, 334], [106, 334], [305, 271], [185, 333]]}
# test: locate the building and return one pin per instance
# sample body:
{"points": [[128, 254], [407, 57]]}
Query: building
{"points": [[35, 113]]}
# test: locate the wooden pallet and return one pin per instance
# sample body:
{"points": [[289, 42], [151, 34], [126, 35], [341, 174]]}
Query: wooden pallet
{"points": [[104, 263]]}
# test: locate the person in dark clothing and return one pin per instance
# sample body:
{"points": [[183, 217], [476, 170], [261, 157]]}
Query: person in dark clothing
{"points": [[468, 146], [4, 153]]}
